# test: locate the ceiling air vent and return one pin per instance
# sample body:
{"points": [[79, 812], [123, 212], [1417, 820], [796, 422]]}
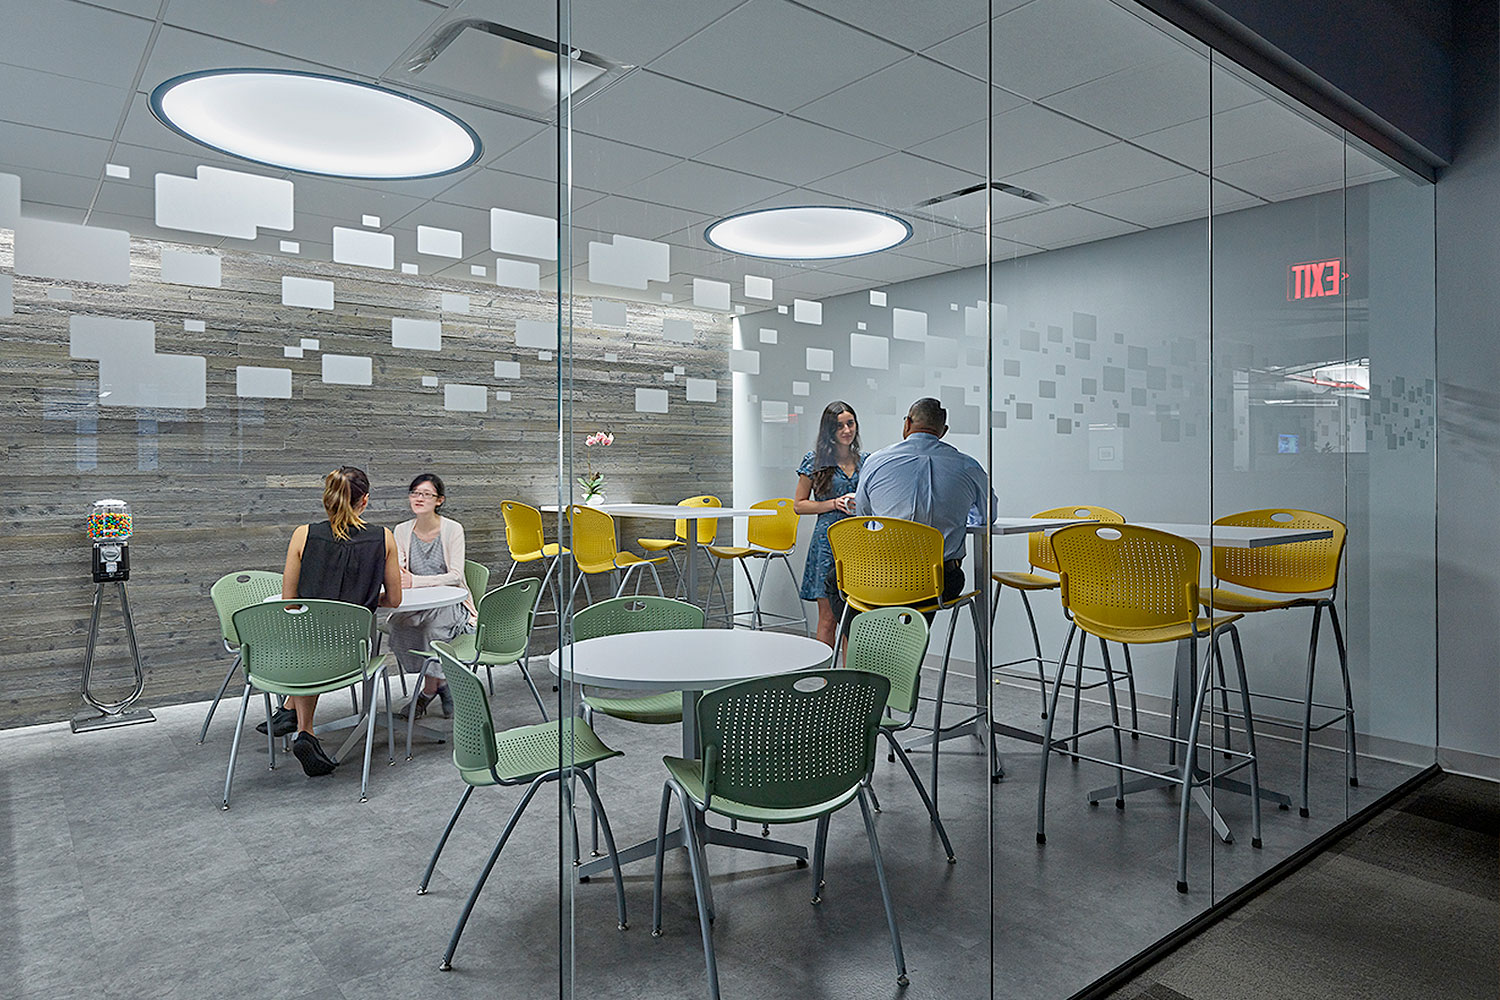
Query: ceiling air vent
{"points": [[965, 207]]}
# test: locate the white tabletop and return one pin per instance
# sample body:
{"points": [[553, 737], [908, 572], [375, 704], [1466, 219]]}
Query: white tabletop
{"points": [[670, 512], [415, 599], [1236, 537], [688, 659], [1026, 525]]}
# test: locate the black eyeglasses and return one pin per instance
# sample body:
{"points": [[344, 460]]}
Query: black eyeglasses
{"points": [[423, 494]]}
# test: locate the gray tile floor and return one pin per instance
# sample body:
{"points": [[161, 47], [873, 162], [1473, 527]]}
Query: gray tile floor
{"points": [[125, 879]]}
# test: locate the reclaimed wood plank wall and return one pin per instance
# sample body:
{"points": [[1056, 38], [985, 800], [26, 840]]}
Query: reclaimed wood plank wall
{"points": [[221, 488]]}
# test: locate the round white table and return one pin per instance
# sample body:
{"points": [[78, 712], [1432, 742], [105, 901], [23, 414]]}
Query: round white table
{"points": [[691, 661], [426, 598]]}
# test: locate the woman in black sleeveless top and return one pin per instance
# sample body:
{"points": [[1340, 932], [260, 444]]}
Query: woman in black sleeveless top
{"points": [[340, 559]]}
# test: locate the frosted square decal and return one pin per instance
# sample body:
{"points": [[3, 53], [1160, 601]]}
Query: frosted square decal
{"points": [[758, 288], [908, 324], [781, 310], [466, 398], [344, 369], [507, 369], [291, 352], [877, 298], [679, 370], [7, 295], [544, 355], [429, 381], [370, 221], [805, 311], [408, 269], [774, 411], [523, 235], [610, 357], [942, 353], [825, 376], [801, 388], [193, 326], [610, 313], [453, 303], [131, 373], [416, 334], [651, 401], [669, 376], [223, 203], [518, 274], [308, 293], [711, 294], [630, 263], [679, 331], [178, 267], [867, 351], [478, 270], [702, 390], [10, 201], [291, 246], [440, 242], [309, 344], [666, 296], [744, 361], [117, 171], [502, 395], [861, 325], [263, 383], [819, 359], [362, 249], [72, 253], [535, 334]]}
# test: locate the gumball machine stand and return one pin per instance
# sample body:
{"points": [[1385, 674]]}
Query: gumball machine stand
{"points": [[110, 526]]}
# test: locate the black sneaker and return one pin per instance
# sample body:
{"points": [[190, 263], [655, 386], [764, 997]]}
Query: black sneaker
{"points": [[283, 722], [315, 762]]}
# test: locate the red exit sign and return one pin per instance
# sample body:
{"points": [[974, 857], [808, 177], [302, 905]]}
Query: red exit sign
{"points": [[1315, 279]]}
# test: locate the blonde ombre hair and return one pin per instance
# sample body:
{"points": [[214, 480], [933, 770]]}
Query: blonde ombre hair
{"points": [[343, 489]]}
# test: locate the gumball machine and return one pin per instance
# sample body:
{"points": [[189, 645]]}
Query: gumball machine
{"points": [[110, 526]]}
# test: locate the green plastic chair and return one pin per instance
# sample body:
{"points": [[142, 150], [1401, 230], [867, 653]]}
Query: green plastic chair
{"points": [[783, 749], [636, 614], [529, 755], [892, 642], [477, 579], [301, 647], [232, 592]]}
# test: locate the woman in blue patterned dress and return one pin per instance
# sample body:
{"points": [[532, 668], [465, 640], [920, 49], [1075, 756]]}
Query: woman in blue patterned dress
{"points": [[826, 481]]}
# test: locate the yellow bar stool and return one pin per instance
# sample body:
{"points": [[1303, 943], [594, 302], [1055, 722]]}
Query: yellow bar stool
{"points": [[708, 531], [526, 540], [1131, 584], [769, 538], [594, 551], [888, 562], [1301, 575]]}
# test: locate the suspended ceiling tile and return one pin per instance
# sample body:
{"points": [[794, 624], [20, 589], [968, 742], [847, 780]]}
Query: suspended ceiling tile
{"points": [[74, 40], [1264, 127], [632, 217], [140, 8], [45, 149], [889, 267], [144, 228], [52, 213], [347, 203], [125, 199], [1025, 137], [1098, 172], [821, 284], [177, 51], [49, 187], [47, 100], [649, 110], [624, 33], [1060, 227], [473, 223], [915, 25], [776, 54], [1144, 98], [1288, 173], [1187, 144], [793, 151], [904, 104], [1173, 200], [596, 163], [704, 188], [895, 182], [145, 163], [499, 132]]}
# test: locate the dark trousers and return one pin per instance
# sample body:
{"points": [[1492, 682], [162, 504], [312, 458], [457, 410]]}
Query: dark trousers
{"points": [[953, 585]]}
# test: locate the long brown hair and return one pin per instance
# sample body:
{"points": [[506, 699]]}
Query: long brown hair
{"points": [[826, 451], [343, 489]]}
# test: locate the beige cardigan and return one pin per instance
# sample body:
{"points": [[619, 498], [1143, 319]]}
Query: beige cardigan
{"points": [[451, 533]]}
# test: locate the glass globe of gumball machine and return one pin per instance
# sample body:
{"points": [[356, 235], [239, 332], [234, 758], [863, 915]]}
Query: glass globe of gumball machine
{"points": [[110, 526]]}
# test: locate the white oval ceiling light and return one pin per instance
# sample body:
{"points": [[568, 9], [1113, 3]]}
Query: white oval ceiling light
{"points": [[808, 232], [315, 124]]}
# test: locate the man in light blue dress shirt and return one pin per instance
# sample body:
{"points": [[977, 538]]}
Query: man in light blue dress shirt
{"points": [[922, 479]]}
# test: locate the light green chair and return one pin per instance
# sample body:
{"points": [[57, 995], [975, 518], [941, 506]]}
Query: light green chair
{"points": [[892, 642], [232, 592], [528, 755], [635, 614], [302, 647], [782, 749]]}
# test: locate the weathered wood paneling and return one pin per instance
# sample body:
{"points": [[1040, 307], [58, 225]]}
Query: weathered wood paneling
{"points": [[220, 489]]}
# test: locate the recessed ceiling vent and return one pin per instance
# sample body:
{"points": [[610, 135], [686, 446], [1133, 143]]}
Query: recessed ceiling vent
{"points": [[494, 66], [965, 207]]}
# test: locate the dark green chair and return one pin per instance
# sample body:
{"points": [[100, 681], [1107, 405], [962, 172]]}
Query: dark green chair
{"points": [[231, 592], [892, 642], [784, 749], [302, 647], [527, 755]]}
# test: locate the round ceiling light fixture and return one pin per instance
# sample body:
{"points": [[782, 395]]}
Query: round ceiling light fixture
{"points": [[315, 124], [808, 232]]}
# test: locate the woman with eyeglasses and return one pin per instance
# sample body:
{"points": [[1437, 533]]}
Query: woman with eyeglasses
{"points": [[431, 550], [340, 559]]}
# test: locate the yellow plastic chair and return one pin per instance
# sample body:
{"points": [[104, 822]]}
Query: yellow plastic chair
{"points": [[769, 538], [888, 562], [526, 540], [1041, 574], [594, 551], [1130, 584], [1299, 574], [708, 530]]}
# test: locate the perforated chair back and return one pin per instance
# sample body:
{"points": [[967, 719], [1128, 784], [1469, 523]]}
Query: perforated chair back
{"points": [[473, 726], [779, 533], [891, 642], [708, 527], [1295, 568], [793, 740], [506, 616], [524, 536], [1039, 548], [476, 578], [1119, 578], [303, 643], [887, 561], [635, 614], [233, 591], [593, 540]]}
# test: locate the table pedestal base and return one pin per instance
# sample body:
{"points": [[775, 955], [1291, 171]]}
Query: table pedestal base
{"points": [[710, 835]]}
